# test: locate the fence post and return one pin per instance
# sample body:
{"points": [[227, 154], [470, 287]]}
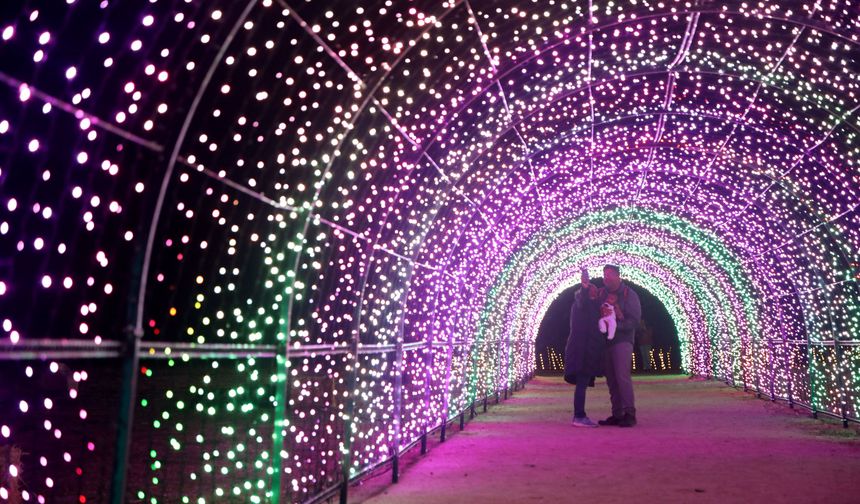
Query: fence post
{"points": [[125, 420], [398, 382], [840, 381], [788, 377], [770, 363]]}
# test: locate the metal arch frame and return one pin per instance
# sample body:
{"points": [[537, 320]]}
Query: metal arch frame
{"points": [[590, 85], [689, 35], [712, 363], [756, 259], [561, 138], [283, 392], [475, 158], [466, 104], [155, 222], [173, 159], [592, 29], [393, 66], [710, 289], [652, 72], [129, 391], [760, 84], [776, 181], [526, 146]]}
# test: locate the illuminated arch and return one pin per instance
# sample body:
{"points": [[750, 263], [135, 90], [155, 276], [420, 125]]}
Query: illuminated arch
{"points": [[325, 228]]}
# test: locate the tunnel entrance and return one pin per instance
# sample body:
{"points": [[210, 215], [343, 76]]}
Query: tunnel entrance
{"points": [[664, 356]]}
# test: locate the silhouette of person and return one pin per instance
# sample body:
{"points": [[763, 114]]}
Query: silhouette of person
{"points": [[584, 353], [619, 361]]}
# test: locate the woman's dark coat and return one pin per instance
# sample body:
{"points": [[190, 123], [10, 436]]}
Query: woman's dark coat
{"points": [[586, 345]]}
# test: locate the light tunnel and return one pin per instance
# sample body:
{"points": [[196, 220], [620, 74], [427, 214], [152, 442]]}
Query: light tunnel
{"points": [[252, 250]]}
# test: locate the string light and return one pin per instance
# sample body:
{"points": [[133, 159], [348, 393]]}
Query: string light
{"points": [[337, 227]]}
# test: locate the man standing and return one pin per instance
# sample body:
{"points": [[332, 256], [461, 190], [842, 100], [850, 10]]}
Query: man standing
{"points": [[619, 352]]}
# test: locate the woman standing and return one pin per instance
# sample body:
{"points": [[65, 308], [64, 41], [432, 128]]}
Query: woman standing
{"points": [[584, 353]]}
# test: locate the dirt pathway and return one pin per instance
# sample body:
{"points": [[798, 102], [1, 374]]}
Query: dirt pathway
{"points": [[697, 441]]}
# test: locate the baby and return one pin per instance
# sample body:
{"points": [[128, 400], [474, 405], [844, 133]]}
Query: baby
{"points": [[607, 322]]}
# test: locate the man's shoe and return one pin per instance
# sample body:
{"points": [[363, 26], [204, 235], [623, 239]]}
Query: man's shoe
{"points": [[628, 421], [612, 420], [583, 422]]}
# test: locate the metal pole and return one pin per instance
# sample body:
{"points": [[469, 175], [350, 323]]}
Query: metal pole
{"points": [[770, 358], [755, 353], [809, 371], [840, 380], [344, 491], [788, 376], [125, 420], [398, 381], [130, 352], [352, 378]]}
